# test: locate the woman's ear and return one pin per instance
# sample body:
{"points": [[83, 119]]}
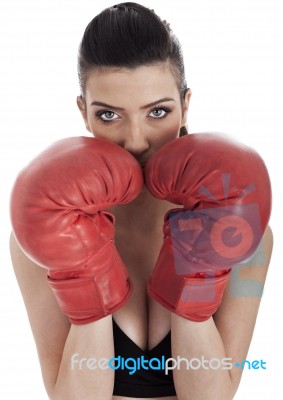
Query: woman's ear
{"points": [[82, 107], [185, 105]]}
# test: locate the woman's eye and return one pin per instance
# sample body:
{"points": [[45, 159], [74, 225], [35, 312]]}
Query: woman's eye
{"points": [[159, 113], [107, 116]]}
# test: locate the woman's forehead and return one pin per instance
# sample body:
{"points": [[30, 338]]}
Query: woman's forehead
{"points": [[143, 79]]}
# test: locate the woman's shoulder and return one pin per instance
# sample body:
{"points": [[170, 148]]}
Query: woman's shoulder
{"points": [[26, 271], [256, 269], [36, 293], [42, 309], [264, 251], [268, 238]]}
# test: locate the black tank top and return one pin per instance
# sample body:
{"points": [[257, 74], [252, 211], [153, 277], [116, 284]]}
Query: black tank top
{"points": [[142, 382]]}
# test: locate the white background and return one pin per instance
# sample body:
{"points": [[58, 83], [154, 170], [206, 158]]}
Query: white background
{"points": [[234, 65]]}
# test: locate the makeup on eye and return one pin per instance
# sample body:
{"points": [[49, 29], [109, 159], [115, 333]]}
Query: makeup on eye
{"points": [[107, 115], [165, 110]]}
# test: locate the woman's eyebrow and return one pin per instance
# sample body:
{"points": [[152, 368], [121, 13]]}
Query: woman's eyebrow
{"points": [[99, 103]]}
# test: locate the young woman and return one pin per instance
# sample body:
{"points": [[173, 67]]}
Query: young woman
{"points": [[98, 303]]}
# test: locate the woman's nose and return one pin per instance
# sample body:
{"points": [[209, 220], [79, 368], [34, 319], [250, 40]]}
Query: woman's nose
{"points": [[136, 141]]}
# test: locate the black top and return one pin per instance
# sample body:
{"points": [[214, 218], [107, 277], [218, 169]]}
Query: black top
{"points": [[135, 381]]}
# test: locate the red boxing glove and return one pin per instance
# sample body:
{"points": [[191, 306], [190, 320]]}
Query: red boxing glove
{"points": [[225, 190], [57, 216]]}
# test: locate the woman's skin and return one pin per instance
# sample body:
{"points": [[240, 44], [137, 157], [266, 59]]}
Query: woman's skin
{"points": [[141, 129]]}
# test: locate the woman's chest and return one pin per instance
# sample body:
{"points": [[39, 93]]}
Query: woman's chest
{"points": [[142, 323], [144, 320]]}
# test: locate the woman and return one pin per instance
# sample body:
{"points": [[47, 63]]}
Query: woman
{"points": [[134, 95]]}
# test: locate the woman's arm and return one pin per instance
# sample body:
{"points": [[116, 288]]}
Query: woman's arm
{"points": [[227, 334], [57, 341]]}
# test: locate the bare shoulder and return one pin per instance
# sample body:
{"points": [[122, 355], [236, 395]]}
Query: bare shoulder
{"points": [[258, 266], [268, 242], [269, 235], [248, 279], [49, 326], [237, 315], [244, 292]]}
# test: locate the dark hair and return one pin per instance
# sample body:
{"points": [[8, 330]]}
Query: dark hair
{"points": [[129, 35]]}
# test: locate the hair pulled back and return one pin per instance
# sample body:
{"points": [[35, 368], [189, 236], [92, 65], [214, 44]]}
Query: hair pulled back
{"points": [[129, 35]]}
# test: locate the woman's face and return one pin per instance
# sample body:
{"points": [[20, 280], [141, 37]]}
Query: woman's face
{"points": [[138, 109]]}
